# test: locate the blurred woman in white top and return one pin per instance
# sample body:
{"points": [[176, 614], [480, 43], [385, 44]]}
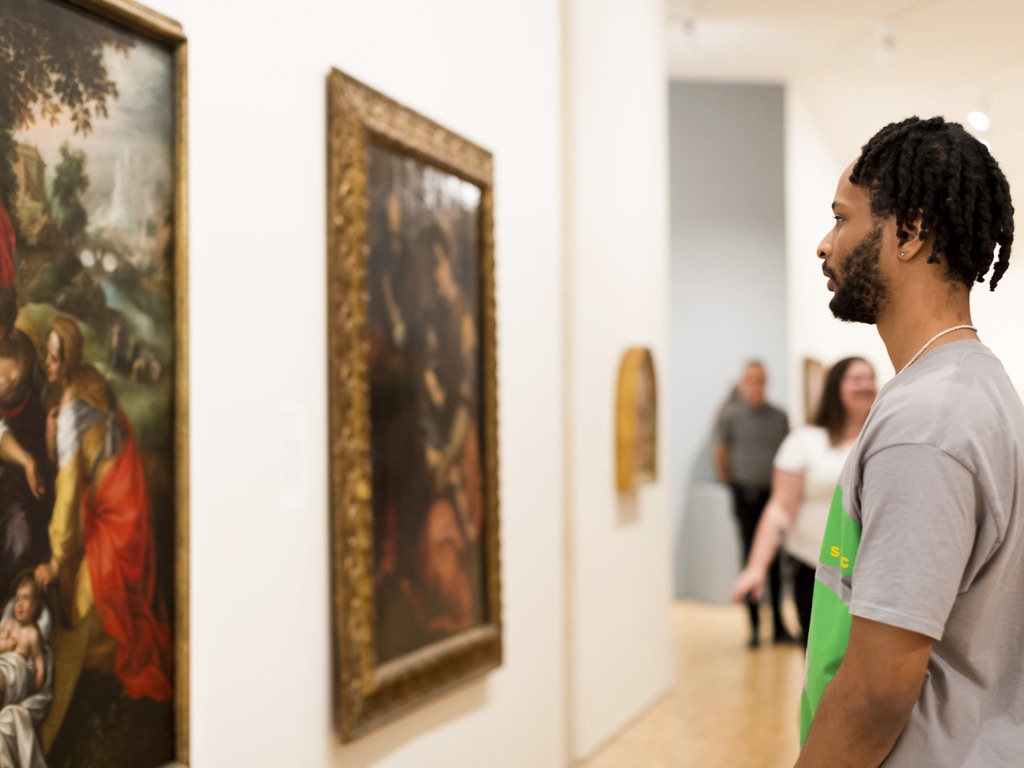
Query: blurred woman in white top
{"points": [[806, 469]]}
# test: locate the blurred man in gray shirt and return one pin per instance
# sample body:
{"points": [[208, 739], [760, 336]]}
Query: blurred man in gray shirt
{"points": [[749, 434]]}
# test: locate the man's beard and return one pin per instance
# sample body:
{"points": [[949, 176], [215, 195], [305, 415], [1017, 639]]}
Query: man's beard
{"points": [[861, 288]]}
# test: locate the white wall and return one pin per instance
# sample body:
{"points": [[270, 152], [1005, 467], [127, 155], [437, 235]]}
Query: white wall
{"points": [[617, 279], [261, 666], [813, 166]]}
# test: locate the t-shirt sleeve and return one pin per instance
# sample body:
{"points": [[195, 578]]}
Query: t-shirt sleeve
{"points": [[918, 509], [792, 454]]}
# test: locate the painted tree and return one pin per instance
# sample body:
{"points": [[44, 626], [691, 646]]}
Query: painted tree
{"points": [[69, 184], [51, 66]]}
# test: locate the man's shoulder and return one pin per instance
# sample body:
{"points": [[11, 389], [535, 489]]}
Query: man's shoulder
{"points": [[968, 397]]}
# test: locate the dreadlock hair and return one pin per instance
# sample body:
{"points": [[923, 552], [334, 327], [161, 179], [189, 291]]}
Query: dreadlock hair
{"points": [[938, 170], [831, 412]]}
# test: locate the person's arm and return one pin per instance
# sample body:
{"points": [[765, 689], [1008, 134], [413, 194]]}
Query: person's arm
{"points": [[66, 539], [868, 703], [723, 439], [723, 460], [7, 642], [779, 515], [40, 662], [11, 450]]}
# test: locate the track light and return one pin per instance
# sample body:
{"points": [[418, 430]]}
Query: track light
{"points": [[979, 120]]}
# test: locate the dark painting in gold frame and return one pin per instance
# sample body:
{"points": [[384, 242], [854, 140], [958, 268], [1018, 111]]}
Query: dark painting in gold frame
{"points": [[93, 187], [413, 408]]}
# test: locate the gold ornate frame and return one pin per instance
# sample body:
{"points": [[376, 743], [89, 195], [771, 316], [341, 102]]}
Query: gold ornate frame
{"points": [[636, 362], [814, 375], [368, 694], [169, 33]]}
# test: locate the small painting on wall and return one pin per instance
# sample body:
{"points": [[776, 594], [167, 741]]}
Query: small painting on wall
{"points": [[636, 420]]}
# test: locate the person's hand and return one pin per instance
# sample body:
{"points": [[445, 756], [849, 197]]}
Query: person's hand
{"points": [[750, 583], [35, 483], [45, 574]]}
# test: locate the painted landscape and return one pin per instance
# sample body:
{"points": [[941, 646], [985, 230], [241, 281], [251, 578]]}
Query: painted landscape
{"points": [[87, 188]]}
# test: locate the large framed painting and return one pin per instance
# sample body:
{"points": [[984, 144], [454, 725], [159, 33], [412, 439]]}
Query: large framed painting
{"points": [[413, 416], [93, 387]]}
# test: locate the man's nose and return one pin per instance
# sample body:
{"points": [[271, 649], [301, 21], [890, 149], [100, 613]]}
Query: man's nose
{"points": [[824, 248]]}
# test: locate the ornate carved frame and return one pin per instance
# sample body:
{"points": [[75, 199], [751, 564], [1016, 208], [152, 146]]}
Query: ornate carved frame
{"points": [[636, 362], [814, 377], [168, 33], [368, 694]]}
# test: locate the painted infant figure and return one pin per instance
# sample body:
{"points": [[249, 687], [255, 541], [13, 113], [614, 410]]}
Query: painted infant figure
{"points": [[21, 646]]}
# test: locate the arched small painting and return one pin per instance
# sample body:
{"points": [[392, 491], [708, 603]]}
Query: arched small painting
{"points": [[637, 420]]}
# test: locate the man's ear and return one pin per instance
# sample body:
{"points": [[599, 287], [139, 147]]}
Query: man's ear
{"points": [[911, 227], [915, 238]]}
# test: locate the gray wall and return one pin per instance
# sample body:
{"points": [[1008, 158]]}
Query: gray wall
{"points": [[728, 298]]}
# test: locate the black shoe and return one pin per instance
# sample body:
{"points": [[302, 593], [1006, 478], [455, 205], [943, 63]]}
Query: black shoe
{"points": [[755, 642], [782, 636]]}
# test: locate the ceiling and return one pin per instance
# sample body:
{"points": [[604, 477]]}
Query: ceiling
{"points": [[858, 66]]}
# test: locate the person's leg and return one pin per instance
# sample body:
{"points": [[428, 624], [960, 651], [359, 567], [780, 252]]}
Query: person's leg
{"points": [[780, 633], [803, 594], [747, 514]]}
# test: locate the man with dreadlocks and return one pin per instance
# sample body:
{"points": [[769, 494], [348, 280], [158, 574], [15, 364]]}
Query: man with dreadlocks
{"points": [[914, 655]]}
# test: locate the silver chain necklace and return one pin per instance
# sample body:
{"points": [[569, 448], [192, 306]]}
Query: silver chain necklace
{"points": [[928, 343]]}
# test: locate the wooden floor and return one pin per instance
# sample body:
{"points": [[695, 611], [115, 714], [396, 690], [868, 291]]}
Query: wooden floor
{"points": [[729, 707]]}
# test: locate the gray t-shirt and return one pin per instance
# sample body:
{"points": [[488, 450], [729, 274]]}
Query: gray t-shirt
{"points": [[926, 533], [753, 435]]}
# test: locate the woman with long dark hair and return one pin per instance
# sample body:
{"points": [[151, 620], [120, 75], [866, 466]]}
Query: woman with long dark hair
{"points": [[806, 469]]}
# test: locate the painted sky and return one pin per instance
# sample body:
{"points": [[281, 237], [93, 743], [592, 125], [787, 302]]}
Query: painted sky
{"points": [[135, 141]]}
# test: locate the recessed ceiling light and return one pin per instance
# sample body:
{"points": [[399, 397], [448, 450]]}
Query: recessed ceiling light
{"points": [[978, 120]]}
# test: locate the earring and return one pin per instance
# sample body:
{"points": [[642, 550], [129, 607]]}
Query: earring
{"points": [[901, 253]]}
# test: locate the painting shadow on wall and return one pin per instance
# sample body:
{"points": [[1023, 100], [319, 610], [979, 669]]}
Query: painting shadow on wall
{"points": [[627, 511], [375, 747]]}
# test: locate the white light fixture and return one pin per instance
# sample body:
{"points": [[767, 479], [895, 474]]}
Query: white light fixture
{"points": [[683, 17], [884, 41], [979, 120]]}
